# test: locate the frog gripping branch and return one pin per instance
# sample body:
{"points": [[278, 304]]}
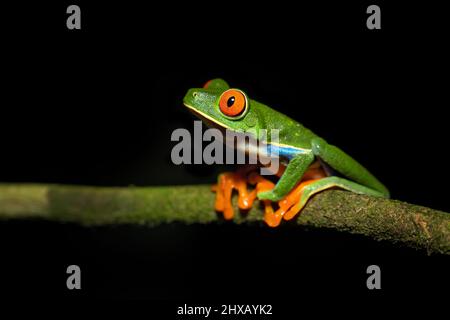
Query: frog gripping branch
{"points": [[306, 156]]}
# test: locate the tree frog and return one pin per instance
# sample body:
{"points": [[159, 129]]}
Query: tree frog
{"points": [[312, 165]]}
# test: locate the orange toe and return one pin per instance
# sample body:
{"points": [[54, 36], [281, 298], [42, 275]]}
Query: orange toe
{"points": [[228, 182], [292, 212], [273, 219]]}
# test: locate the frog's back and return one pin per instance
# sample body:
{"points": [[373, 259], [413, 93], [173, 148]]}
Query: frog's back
{"points": [[291, 132]]}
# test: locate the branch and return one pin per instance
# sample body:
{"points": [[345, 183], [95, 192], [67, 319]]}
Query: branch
{"points": [[380, 219]]}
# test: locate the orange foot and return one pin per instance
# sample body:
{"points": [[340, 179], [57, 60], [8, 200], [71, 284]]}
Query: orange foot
{"points": [[288, 207], [230, 181]]}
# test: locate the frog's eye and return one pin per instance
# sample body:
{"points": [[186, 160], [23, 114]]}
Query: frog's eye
{"points": [[232, 103]]}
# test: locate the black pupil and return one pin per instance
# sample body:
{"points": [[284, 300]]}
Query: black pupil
{"points": [[230, 102]]}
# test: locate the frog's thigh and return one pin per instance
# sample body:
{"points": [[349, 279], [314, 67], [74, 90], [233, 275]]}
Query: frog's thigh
{"points": [[293, 173], [346, 165]]}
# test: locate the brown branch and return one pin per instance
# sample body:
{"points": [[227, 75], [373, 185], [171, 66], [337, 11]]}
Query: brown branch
{"points": [[380, 219]]}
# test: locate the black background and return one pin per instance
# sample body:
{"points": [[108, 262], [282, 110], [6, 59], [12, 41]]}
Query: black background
{"points": [[97, 106]]}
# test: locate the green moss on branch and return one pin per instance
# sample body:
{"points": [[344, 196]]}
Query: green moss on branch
{"points": [[379, 219]]}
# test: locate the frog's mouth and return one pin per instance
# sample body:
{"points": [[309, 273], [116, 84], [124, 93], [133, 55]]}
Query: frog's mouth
{"points": [[210, 123]]}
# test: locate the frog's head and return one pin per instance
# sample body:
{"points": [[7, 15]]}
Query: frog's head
{"points": [[221, 106]]}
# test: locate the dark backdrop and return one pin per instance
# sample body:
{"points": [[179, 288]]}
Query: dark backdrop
{"points": [[97, 107]]}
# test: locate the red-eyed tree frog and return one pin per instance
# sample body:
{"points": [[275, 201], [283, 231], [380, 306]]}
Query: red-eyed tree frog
{"points": [[312, 165]]}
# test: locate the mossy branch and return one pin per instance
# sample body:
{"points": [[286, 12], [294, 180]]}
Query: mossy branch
{"points": [[380, 219]]}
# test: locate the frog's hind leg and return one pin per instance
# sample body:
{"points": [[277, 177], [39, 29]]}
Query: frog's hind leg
{"points": [[346, 165], [296, 200]]}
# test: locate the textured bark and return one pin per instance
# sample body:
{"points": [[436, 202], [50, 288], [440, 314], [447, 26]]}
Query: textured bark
{"points": [[380, 219]]}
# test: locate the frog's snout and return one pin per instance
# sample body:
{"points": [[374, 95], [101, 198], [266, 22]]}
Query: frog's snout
{"points": [[192, 93], [200, 99], [195, 94], [190, 96], [194, 97]]}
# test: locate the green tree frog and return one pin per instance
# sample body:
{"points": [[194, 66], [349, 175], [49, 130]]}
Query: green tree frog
{"points": [[312, 165]]}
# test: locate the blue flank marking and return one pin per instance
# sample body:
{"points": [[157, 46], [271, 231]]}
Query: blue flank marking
{"points": [[286, 152]]}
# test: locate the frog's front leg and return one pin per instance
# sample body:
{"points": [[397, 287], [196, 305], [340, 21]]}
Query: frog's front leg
{"points": [[291, 176]]}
